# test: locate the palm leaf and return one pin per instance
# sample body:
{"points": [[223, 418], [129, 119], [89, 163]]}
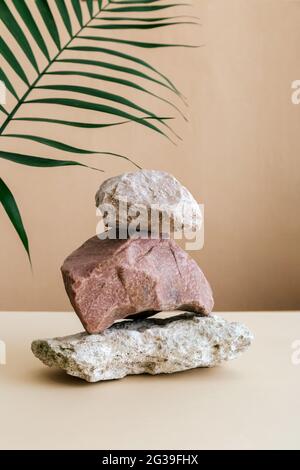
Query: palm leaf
{"points": [[15, 29], [61, 146], [99, 94], [49, 20], [96, 15], [90, 7], [120, 81], [118, 68], [142, 9], [130, 58], [128, 2], [51, 143], [139, 44], [140, 26], [10, 206], [144, 20], [39, 162], [12, 61], [7, 82], [77, 10], [25, 13], [3, 110], [84, 125], [74, 103], [106, 96], [61, 6]]}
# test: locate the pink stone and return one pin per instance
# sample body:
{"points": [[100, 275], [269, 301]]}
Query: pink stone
{"points": [[107, 280]]}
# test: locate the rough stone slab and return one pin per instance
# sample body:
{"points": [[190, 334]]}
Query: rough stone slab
{"points": [[152, 346], [158, 192], [107, 280]]}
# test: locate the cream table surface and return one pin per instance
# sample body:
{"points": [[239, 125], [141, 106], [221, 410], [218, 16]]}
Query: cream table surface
{"points": [[250, 403]]}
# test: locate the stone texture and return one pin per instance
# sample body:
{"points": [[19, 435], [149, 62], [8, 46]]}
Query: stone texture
{"points": [[152, 346], [107, 280], [157, 191]]}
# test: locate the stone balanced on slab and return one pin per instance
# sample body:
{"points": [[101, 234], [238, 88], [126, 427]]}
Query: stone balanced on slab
{"points": [[116, 279]]}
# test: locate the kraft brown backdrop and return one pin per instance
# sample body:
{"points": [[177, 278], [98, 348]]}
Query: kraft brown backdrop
{"points": [[240, 157]]}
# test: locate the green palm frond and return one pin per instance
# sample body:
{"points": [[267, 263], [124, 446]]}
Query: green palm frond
{"points": [[89, 46], [10, 206]]}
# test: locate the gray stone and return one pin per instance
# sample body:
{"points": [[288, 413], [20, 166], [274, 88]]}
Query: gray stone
{"points": [[158, 192], [152, 346]]}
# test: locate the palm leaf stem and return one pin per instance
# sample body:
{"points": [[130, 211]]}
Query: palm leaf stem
{"points": [[40, 76]]}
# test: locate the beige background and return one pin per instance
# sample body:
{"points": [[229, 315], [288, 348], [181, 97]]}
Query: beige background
{"points": [[240, 157], [249, 403]]}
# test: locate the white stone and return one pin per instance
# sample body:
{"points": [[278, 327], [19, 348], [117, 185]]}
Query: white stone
{"points": [[152, 346], [138, 196]]}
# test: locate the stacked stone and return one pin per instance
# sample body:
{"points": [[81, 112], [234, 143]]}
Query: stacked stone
{"points": [[129, 274]]}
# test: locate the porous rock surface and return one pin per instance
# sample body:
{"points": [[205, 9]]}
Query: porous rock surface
{"points": [[152, 346], [107, 280], [159, 192]]}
